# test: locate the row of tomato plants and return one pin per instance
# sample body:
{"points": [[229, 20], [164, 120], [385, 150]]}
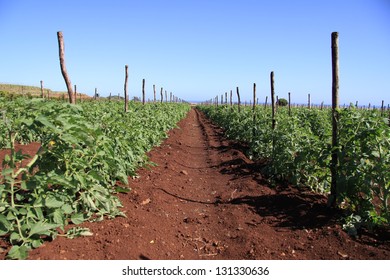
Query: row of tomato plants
{"points": [[299, 150], [87, 153]]}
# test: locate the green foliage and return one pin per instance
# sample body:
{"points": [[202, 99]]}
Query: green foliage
{"points": [[85, 150], [299, 151]]}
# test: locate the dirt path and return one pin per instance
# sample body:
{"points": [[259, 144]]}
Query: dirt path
{"points": [[206, 200]]}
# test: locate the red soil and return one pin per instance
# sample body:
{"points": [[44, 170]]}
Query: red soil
{"points": [[206, 200]]}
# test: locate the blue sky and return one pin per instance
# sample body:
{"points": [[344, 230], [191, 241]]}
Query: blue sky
{"points": [[199, 49]]}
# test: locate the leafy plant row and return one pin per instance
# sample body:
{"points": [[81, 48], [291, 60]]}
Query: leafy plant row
{"points": [[299, 151], [85, 150]]}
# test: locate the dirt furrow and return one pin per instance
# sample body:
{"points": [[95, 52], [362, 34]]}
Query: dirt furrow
{"points": [[206, 200]]}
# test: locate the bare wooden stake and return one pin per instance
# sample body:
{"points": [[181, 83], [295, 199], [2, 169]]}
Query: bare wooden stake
{"points": [[308, 101], [273, 101], [161, 93], [154, 93], [289, 104], [125, 88], [61, 47], [239, 99], [383, 108], [42, 95], [332, 200], [254, 113], [265, 103], [143, 91], [231, 98], [75, 92]]}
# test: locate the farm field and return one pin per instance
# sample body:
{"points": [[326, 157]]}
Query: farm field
{"points": [[206, 200]]}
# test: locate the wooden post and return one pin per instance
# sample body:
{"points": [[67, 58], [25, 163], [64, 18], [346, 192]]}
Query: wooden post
{"points": [[332, 200], [170, 97], [289, 104], [96, 93], [61, 47], [166, 96], [143, 91], [265, 103], [273, 100], [42, 95], [308, 101], [239, 99], [231, 98], [383, 108], [254, 112], [161, 93], [75, 92], [226, 97], [154, 93], [125, 88]]}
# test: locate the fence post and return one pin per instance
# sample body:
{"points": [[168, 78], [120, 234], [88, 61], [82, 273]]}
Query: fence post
{"points": [[289, 104], [125, 88], [308, 101], [239, 99], [61, 47], [154, 93], [42, 96], [254, 112], [332, 200], [161, 93], [143, 91], [273, 101], [75, 93]]}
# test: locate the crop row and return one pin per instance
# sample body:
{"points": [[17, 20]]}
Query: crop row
{"points": [[299, 151], [85, 151]]}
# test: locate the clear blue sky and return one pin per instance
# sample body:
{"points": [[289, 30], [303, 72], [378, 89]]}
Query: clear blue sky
{"points": [[198, 49]]}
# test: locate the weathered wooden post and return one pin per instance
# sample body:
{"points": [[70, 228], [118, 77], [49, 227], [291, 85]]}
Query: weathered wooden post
{"points": [[61, 47], [383, 108], [166, 96], [125, 88], [239, 99], [273, 101], [143, 91], [289, 104], [75, 93], [332, 200], [226, 97], [266, 100], [254, 112], [161, 93], [308, 101], [154, 93], [231, 98], [42, 95]]}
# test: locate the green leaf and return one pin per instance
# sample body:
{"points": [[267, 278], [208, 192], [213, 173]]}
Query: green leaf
{"points": [[53, 202], [18, 252], [5, 225], [37, 242], [6, 171], [67, 208], [77, 218], [59, 217], [42, 228]]}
